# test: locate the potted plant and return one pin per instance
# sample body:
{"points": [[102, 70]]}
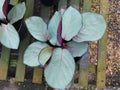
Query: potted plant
{"points": [[65, 37], [9, 37]]}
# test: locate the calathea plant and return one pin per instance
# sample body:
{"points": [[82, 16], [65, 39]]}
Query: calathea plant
{"points": [[8, 35], [65, 38]]}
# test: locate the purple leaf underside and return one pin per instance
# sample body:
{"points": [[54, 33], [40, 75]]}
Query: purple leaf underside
{"points": [[84, 60], [59, 31], [5, 7]]}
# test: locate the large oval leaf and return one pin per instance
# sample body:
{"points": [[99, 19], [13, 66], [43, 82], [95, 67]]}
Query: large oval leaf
{"points": [[71, 23], [53, 27], [2, 16], [77, 49], [93, 27], [60, 70], [16, 13], [9, 36], [32, 52], [45, 55], [37, 28]]}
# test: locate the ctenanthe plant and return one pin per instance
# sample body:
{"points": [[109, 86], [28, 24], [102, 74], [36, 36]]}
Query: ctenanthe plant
{"points": [[65, 37], [9, 37]]}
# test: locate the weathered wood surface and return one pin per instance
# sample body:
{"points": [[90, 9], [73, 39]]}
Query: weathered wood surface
{"points": [[87, 5], [13, 2], [44, 13], [75, 3], [102, 52], [37, 75], [4, 62], [83, 71], [20, 68], [62, 4]]}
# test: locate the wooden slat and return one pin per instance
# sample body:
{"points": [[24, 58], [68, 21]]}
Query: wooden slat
{"points": [[29, 8], [102, 54], [13, 2], [45, 13], [20, 69], [62, 4], [87, 5], [83, 71], [75, 3], [37, 74], [4, 61], [37, 7]]}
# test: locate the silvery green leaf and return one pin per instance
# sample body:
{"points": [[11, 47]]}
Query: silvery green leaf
{"points": [[2, 16], [71, 23], [77, 49], [37, 28], [16, 13], [45, 55], [60, 70], [32, 53], [93, 27], [9, 36], [53, 27]]}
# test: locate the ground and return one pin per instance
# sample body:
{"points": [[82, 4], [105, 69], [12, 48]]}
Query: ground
{"points": [[12, 85]]}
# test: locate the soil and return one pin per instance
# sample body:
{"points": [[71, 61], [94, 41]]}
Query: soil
{"points": [[27, 85]]}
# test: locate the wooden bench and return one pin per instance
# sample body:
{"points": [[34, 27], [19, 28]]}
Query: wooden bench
{"points": [[34, 7]]}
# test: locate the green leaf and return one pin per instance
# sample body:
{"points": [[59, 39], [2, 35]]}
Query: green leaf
{"points": [[52, 28], [45, 55], [2, 16], [71, 23], [37, 28], [60, 70], [16, 13], [32, 53], [77, 49], [93, 27], [9, 36]]}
